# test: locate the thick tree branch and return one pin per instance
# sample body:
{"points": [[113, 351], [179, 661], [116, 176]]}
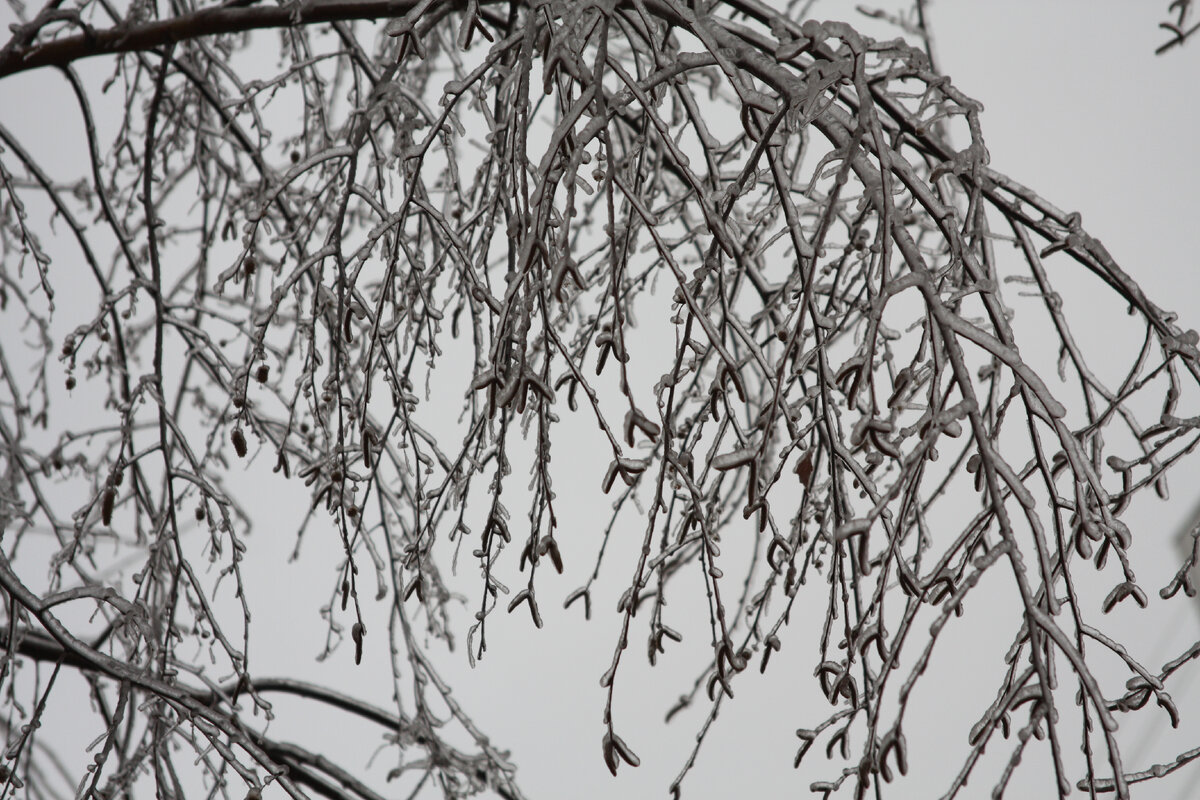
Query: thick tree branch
{"points": [[42, 647], [206, 22]]}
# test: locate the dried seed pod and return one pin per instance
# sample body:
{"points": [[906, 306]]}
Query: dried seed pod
{"points": [[804, 469], [1121, 591], [738, 458], [356, 633], [587, 601], [106, 505], [239, 442], [614, 747], [807, 737], [555, 556], [623, 750], [368, 444], [779, 552], [772, 645], [636, 420]]}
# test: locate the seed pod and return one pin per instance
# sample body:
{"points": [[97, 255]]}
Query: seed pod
{"points": [[609, 477], [497, 524], [613, 746], [239, 442], [261, 373], [623, 750], [1121, 591], [738, 458], [368, 443], [587, 601], [525, 596], [555, 556], [356, 633], [804, 469], [610, 756], [772, 645], [106, 506], [790, 584], [779, 551], [636, 420]]}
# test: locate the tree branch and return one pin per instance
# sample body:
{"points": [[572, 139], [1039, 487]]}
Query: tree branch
{"points": [[20, 57]]}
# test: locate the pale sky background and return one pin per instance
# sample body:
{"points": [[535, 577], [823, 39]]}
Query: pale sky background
{"points": [[1077, 107]]}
